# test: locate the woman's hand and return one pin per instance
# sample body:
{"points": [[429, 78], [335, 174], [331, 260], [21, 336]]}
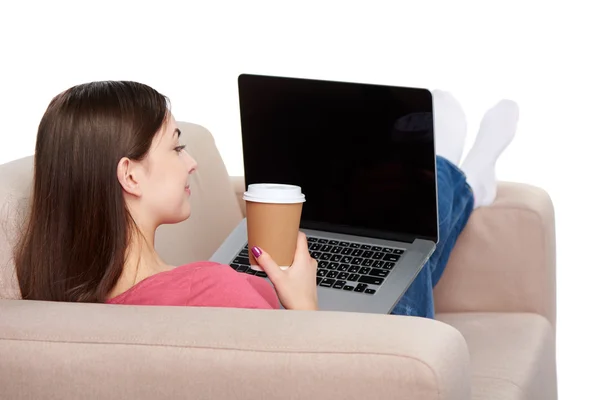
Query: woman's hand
{"points": [[296, 286]]}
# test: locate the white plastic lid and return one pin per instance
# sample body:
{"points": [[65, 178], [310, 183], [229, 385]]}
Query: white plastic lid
{"points": [[274, 193]]}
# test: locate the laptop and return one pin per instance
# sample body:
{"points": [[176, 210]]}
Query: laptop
{"points": [[364, 156]]}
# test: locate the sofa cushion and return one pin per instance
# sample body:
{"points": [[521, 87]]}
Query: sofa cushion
{"points": [[512, 354], [505, 258], [15, 187], [71, 351]]}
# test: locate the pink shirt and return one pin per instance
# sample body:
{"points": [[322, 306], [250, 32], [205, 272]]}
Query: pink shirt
{"points": [[201, 284]]}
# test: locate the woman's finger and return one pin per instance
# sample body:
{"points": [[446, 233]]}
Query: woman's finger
{"points": [[266, 263]]}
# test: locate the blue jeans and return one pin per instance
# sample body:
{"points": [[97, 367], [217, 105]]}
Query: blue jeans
{"points": [[455, 204]]}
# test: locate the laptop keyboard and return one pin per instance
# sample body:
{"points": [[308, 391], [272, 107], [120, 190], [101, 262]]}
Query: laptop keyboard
{"points": [[343, 265]]}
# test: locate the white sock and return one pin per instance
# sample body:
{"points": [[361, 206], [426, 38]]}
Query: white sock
{"points": [[450, 126], [497, 130]]}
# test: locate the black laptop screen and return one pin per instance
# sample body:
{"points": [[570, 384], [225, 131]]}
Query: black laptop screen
{"points": [[363, 154]]}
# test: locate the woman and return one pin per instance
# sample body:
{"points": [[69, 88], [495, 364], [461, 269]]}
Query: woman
{"points": [[110, 169]]}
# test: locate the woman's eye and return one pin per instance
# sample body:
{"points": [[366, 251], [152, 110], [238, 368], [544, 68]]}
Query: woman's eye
{"points": [[179, 148]]}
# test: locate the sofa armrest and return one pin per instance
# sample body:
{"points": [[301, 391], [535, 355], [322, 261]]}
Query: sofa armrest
{"points": [[239, 187], [505, 258], [70, 350]]}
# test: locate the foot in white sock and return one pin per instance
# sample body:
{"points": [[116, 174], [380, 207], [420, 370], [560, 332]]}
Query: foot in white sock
{"points": [[450, 126], [497, 130]]}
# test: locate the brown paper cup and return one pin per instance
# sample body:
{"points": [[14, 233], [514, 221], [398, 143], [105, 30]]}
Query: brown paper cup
{"points": [[273, 219]]}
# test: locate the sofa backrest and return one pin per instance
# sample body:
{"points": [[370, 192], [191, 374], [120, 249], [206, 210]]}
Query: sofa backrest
{"points": [[215, 209]]}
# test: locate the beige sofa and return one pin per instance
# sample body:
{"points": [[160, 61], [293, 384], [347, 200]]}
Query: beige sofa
{"points": [[493, 338]]}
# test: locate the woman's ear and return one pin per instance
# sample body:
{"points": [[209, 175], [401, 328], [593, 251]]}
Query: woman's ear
{"points": [[127, 174]]}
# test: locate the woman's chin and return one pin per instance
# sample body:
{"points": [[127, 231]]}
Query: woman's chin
{"points": [[180, 217], [184, 215], [187, 211]]}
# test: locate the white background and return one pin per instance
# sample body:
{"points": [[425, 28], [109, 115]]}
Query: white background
{"points": [[544, 55]]}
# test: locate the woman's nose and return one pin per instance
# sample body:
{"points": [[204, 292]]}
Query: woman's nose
{"points": [[192, 164]]}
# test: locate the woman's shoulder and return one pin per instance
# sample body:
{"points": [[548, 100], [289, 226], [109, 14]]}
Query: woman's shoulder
{"points": [[177, 278]]}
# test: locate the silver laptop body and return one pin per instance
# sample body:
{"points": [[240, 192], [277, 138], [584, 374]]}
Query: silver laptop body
{"points": [[364, 156]]}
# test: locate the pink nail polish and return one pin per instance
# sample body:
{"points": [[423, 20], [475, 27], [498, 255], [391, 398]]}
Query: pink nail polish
{"points": [[256, 252]]}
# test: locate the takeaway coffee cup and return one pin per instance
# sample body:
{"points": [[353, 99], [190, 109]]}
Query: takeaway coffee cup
{"points": [[273, 217]]}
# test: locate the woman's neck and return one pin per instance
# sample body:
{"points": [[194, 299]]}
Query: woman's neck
{"points": [[141, 262]]}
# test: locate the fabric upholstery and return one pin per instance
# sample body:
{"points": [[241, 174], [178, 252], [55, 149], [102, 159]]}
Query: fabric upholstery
{"points": [[504, 260], [15, 188], [512, 354], [77, 351], [239, 187]]}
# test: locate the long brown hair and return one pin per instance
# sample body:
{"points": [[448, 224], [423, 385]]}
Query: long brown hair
{"points": [[74, 243]]}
